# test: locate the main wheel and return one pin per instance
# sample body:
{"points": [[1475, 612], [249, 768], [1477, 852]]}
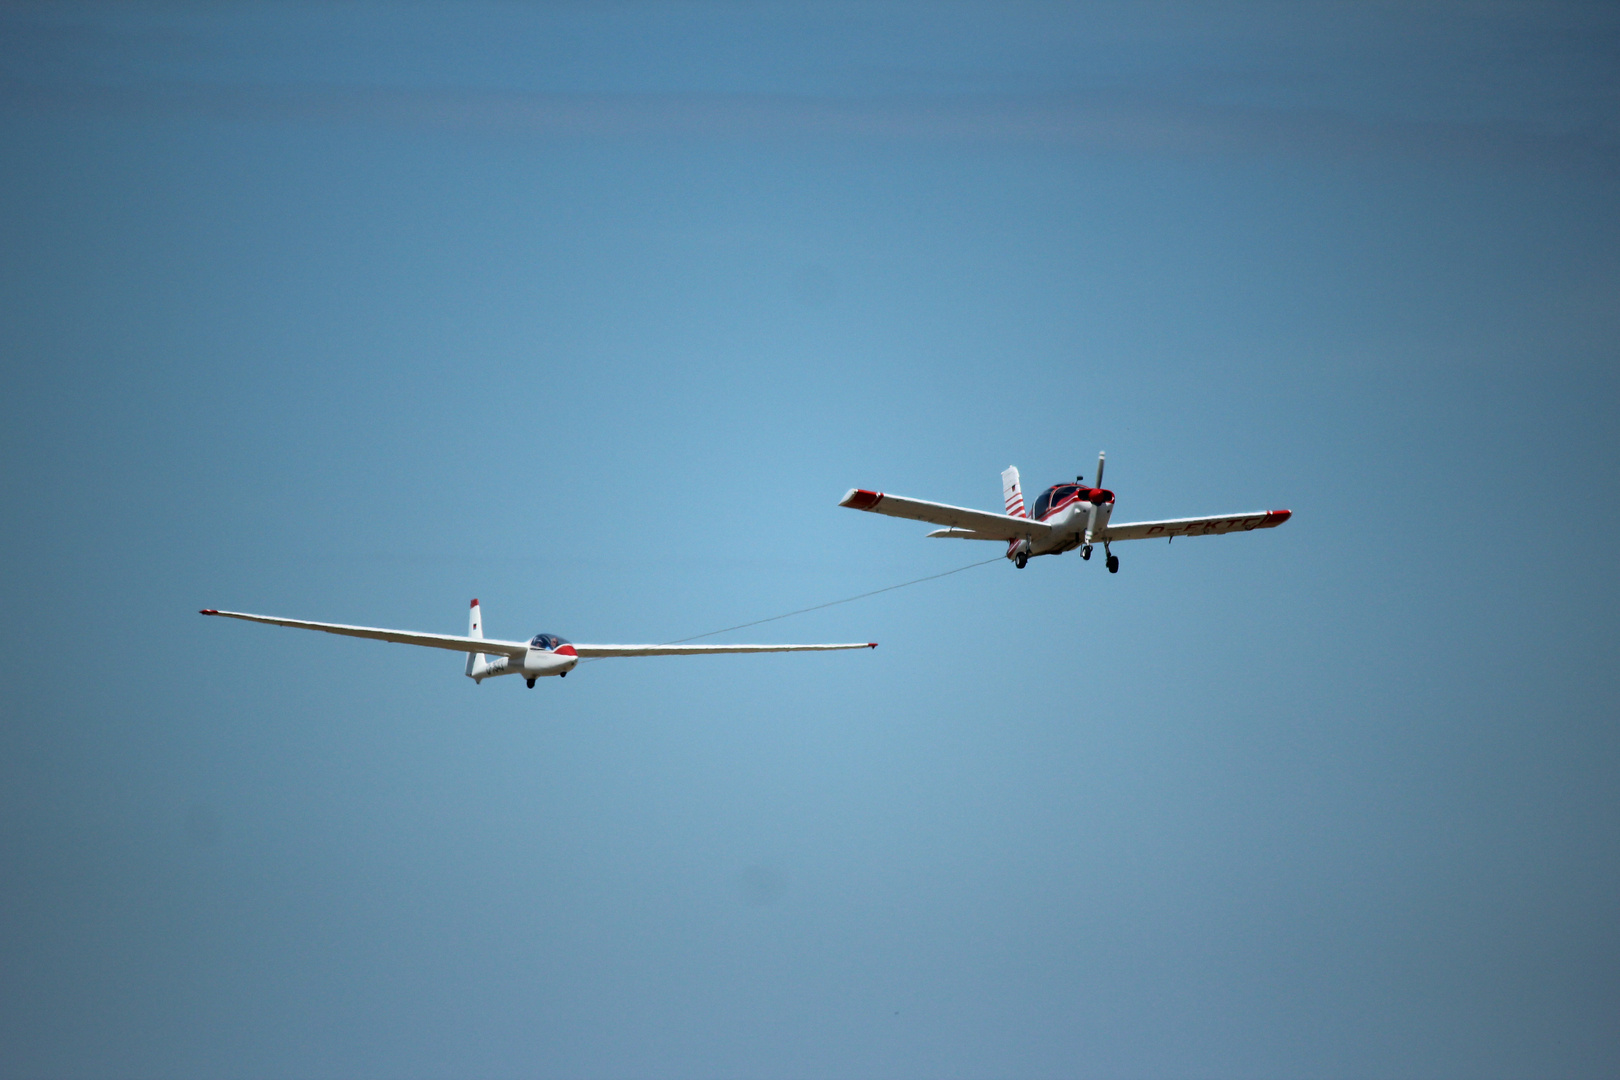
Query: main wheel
{"points": [[1020, 560], [531, 684], [1113, 564]]}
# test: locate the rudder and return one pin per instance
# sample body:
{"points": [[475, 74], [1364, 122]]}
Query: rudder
{"points": [[475, 629], [1012, 494]]}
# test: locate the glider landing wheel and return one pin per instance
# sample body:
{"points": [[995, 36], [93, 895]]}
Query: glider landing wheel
{"points": [[531, 684], [1021, 560], [1113, 564], [1085, 553]]}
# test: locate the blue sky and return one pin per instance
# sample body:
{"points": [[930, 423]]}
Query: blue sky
{"points": [[354, 312]]}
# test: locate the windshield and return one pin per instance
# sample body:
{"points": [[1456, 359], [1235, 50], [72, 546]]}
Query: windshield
{"points": [[547, 641], [1052, 496]]}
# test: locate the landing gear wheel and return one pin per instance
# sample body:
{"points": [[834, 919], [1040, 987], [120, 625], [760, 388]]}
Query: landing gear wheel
{"points": [[531, 684], [1085, 553], [1021, 560], [1113, 564], [562, 674]]}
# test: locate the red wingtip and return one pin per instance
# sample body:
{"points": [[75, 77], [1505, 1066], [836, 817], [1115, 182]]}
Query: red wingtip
{"points": [[1279, 516], [871, 644], [475, 602], [861, 499], [208, 611]]}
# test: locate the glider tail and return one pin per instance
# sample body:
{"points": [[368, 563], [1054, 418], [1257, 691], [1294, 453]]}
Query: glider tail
{"points": [[475, 628], [1012, 495]]}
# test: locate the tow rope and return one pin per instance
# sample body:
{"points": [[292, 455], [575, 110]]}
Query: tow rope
{"points": [[830, 603]]}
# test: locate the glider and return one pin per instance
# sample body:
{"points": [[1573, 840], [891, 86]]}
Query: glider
{"points": [[1067, 516], [541, 655]]}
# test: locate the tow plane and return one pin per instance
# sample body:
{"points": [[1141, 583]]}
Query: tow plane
{"points": [[540, 656], [1065, 517]]}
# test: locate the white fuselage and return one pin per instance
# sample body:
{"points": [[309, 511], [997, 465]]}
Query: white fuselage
{"points": [[535, 664], [1070, 522]]}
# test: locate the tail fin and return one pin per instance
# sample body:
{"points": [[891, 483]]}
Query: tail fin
{"points": [[1011, 494], [475, 628]]}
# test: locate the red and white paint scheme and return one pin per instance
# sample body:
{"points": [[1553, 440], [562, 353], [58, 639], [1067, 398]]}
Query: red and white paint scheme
{"points": [[541, 655], [1065, 517]]}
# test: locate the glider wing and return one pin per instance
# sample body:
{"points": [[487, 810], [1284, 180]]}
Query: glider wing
{"points": [[1199, 526], [452, 642], [982, 524], [591, 651]]}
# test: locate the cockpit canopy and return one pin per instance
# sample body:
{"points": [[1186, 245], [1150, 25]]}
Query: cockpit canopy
{"points": [[1052, 496], [549, 642]]}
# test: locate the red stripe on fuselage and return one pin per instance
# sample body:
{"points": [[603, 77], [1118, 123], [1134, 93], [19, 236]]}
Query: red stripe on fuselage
{"points": [[1062, 505]]}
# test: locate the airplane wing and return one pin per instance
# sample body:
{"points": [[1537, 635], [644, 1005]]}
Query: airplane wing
{"points": [[589, 651], [982, 524], [453, 642], [1199, 526]]}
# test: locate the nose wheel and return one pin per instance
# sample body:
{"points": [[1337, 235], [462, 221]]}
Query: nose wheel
{"points": [[1085, 553], [531, 684]]}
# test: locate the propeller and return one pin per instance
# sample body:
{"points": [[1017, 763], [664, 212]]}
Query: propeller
{"points": [[1091, 517]]}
